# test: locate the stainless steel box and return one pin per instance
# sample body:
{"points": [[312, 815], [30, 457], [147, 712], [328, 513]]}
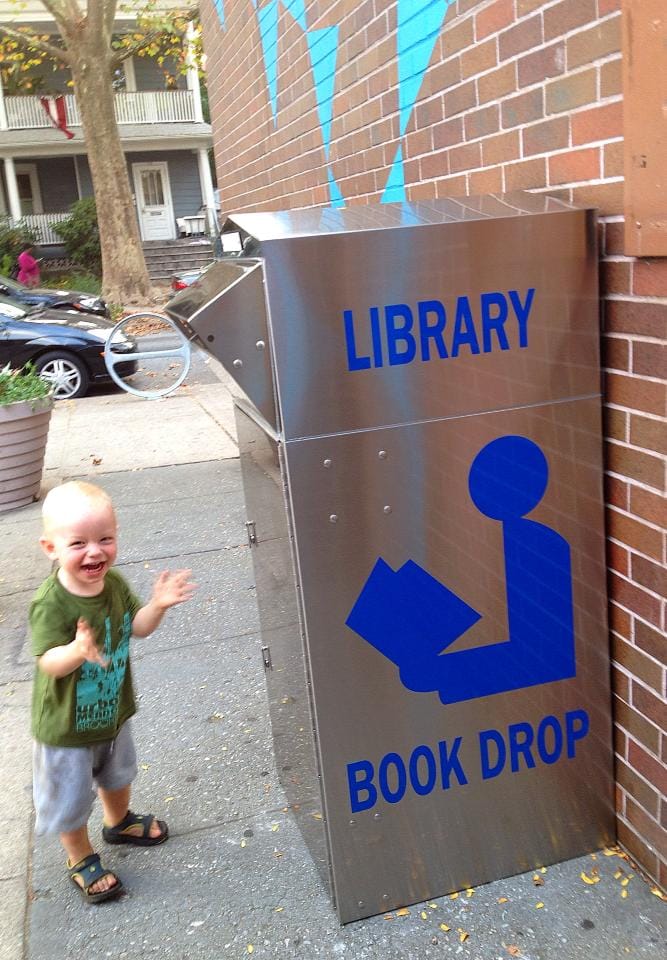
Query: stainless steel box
{"points": [[421, 450]]}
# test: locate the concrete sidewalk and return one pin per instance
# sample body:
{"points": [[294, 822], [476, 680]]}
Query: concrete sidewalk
{"points": [[235, 877]]}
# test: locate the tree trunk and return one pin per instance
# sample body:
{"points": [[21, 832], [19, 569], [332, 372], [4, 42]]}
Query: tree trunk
{"points": [[124, 274]]}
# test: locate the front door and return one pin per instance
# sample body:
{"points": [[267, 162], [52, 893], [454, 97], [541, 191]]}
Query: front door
{"points": [[154, 207]]}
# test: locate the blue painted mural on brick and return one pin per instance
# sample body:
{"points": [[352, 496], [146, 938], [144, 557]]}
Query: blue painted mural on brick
{"points": [[419, 23]]}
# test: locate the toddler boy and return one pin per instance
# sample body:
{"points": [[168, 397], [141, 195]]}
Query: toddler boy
{"points": [[81, 619]]}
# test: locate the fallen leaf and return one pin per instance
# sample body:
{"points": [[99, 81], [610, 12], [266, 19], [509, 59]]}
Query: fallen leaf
{"points": [[168, 799], [423, 914], [278, 909], [618, 874], [316, 816], [388, 916], [624, 893], [403, 912], [443, 926], [625, 881], [277, 854], [463, 935], [513, 950], [250, 948], [469, 892], [539, 905], [587, 879], [274, 828], [453, 896], [243, 843], [537, 880], [97, 461], [658, 893], [144, 766], [502, 899], [433, 906], [543, 869]]}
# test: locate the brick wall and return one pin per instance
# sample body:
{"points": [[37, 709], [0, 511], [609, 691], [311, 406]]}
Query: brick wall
{"points": [[518, 94]]}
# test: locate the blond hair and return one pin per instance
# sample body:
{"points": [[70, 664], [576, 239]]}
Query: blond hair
{"points": [[63, 501]]}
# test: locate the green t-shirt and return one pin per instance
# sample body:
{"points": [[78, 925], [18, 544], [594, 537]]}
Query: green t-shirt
{"points": [[93, 702]]}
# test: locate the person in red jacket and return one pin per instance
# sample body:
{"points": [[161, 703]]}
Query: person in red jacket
{"points": [[28, 273]]}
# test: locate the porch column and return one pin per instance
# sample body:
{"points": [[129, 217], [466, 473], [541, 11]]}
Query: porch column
{"points": [[192, 76], [12, 189], [206, 184], [3, 113]]}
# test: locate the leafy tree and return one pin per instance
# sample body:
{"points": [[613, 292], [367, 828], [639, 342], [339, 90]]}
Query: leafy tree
{"points": [[93, 54]]}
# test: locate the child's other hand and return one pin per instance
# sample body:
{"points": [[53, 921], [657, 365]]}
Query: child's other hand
{"points": [[85, 644], [173, 588]]}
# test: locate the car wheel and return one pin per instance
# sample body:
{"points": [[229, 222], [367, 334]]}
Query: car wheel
{"points": [[65, 372]]}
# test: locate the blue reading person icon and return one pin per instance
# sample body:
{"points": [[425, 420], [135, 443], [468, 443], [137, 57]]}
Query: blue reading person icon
{"points": [[411, 618]]}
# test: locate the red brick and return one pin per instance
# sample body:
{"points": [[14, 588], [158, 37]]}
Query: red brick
{"points": [[616, 492], [482, 123], [618, 558], [480, 58], [489, 180], [607, 197], [637, 787], [634, 598], [434, 165], [494, 18], [524, 174], [466, 157], [541, 64], [650, 280], [637, 663], [546, 136], [649, 506], [571, 91], [447, 133], [650, 359], [636, 847], [614, 238], [620, 622], [611, 80], [655, 709], [599, 123], [442, 76], [636, 394], [653, 576], [567, 16], [615, 353], [599, 41], [635, 534], [628, 462], [648, 828], [615, 423], [452, 186], [635, 317], [458, 35], [651, 641], [620, 684], [638, 727], [495, 85], [649, 434], [522, 36], [615, 276], [461, 98], [500, 148], [522, 109], [575, 166]]}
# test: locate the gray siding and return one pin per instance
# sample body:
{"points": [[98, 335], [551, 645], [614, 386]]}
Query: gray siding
{"points": [[49, 82], [57, 181], [150, 76]]}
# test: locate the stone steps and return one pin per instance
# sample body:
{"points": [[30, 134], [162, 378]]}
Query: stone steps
{"points": [[166, 257]]}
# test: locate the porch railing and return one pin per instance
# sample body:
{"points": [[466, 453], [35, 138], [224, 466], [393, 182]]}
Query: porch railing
{"points": [[147, 106], [40, 223]]}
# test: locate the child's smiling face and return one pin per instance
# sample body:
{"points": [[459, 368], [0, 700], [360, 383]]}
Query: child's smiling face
{"points": [[84, 544]]}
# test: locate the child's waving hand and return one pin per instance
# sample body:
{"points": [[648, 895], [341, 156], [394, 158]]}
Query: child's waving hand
{"points": [[172, 588]]}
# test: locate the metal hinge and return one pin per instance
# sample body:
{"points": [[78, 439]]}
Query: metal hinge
{"points": [[252, 535], [266, 657]]}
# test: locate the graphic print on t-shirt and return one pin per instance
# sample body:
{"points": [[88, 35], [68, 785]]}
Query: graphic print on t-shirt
{"points": [[98, 689]]}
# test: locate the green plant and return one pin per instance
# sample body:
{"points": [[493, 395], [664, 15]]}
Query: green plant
{"points": [[81, 236], [22, 384], [84, 282], [12, 239]]}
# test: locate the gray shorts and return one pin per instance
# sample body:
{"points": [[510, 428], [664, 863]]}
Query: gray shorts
{"points": [[63, 778]]}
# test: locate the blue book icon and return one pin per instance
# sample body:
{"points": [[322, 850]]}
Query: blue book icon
{"points": [[411, 618]]}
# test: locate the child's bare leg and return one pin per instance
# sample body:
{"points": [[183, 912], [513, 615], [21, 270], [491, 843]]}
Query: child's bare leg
{"points": [[77, 847], [115, 804]]}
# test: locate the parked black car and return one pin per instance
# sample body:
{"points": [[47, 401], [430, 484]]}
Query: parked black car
{"points": [[66, 346], [54, 299]]}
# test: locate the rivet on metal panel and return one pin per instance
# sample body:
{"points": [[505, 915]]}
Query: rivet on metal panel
{"points": [[333, 518], [386, 509], [385, 896], [260, 344], [376, 816], [382, 454], [210, 338], [237, 363], [352, 822], [326, 463]]}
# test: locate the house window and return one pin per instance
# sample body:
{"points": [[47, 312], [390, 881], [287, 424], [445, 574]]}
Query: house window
{"points": [[151, 187]]}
